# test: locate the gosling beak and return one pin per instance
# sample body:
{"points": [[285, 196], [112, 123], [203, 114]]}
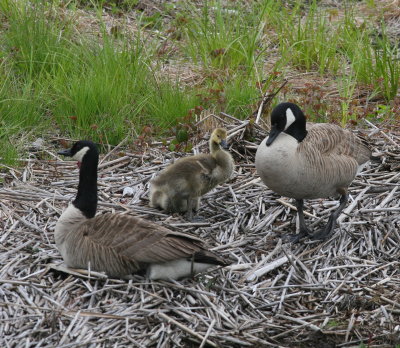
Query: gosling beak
{"points": [[66, 152], [224, 144], [273, 134]]}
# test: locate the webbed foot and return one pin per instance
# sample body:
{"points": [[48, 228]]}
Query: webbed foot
{"points": [[198, 218], [295, 238], [326, 231]]}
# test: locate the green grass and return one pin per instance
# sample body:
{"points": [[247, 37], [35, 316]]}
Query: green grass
{"points": [[223, 36], [309, 43], [19, 111], [35, 39], [105, 86], [373, 59], [169, 104], [99, 91]]}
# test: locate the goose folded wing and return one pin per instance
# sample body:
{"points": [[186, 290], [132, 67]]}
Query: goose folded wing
{"points": [[330, 139], [202, 163], [139, 240]]}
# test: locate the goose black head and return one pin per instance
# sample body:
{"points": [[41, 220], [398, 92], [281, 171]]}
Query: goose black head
{"points": [[288, 118], [80, 150]]}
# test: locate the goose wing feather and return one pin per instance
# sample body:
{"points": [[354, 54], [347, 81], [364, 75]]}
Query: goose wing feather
{"points": [[137, 240], [332, 140], [331, 157]]}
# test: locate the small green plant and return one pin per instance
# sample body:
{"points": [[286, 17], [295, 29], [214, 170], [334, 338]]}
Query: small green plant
{"points": [[153, 21], [346, 86], [384, 112], [240, 96], [8, 150], [184, 131], [333, 324], [387, 67], [371, 3]]}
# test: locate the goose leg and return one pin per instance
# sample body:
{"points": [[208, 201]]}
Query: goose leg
{"points": [[193, 204], [189, 212], [330, 226], [304, 231]]}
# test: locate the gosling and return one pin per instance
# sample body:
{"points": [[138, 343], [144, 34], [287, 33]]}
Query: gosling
{"points": [[178, 188]]}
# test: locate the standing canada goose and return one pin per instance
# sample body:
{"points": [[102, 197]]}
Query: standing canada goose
{"points": [[121, 245], [178, 188], [318, 162]]}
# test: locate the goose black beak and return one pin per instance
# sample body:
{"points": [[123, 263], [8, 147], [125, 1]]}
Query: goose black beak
{"points": [[272, 135], [224, 144], [66, 152]]}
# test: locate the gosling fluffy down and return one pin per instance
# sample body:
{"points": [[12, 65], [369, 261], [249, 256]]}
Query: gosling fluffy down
{"points": [[121, 245], [178, 188], [317, 161]]}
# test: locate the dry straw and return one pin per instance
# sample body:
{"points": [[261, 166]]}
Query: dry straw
{"points": [[344, 291]]}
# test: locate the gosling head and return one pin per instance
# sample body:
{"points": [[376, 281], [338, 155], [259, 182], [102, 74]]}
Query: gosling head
{"points": [[288, 118], [218, 136], [81, 150]]}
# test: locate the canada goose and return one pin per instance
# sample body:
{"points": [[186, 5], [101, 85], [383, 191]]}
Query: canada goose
{"points": [[178, 188], [318, 162], [121, 245]]}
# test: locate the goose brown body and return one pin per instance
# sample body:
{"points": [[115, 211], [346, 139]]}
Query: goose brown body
{"points": [[119, 244], [178, 188]]}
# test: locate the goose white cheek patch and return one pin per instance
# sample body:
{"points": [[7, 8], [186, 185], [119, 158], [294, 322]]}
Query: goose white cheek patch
{"points": [[79, 155], [290, 118]]}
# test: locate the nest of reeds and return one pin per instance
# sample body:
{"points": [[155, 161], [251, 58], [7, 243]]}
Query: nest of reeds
{"points": [[339, 293]]}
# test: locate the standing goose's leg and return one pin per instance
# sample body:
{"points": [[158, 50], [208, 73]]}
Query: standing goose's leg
{"points": [[304, 231], [323, 233]]}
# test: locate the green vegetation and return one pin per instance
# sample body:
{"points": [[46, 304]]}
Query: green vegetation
{"points": [[109, 82]]}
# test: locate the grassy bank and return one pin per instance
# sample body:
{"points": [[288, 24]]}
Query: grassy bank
{"points": [[125, 72]]}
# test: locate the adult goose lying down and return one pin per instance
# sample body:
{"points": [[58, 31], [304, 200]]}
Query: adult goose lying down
{"points": [[317, 161], [121, 245], [178, 188]]}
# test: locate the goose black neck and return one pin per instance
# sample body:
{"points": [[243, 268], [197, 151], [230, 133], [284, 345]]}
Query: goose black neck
{"points": [[297, 131], [86, 198]]}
